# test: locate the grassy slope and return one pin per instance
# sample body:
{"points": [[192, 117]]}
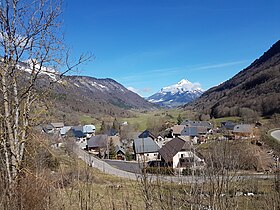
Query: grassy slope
{"points": [[142, 119], [92, 189]]}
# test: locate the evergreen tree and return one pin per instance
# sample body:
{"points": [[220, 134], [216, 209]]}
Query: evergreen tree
{"points": [[112, 151], [103, 127], [116, 125], [179, 119]]}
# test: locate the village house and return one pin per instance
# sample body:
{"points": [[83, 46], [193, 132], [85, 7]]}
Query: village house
{"points": [[48, 129], [146, 134], [177, 130], [81, 133], [227, 125], [89, 130], [120, 152], [77, 133], [205, 124], [57, 126], [179, 155], [145, 149], [190, 133], [98, 145], [64, 130], [243, 131]]}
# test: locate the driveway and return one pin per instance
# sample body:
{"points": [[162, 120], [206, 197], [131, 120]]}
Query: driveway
{"points": [[276, 134]]}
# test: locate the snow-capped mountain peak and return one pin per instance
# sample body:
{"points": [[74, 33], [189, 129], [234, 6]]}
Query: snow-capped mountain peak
{"points": [[183, 86], [177, 94]]}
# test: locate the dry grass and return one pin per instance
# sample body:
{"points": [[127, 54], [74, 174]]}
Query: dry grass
{"points": [[92, 189], [75, 185]]}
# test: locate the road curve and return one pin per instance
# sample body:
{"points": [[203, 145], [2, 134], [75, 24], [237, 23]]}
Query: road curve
{"points": [[276, 134], [108, 169]]}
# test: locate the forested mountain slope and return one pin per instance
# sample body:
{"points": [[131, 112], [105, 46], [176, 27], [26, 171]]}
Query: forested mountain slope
{"points": [[254, 89]]}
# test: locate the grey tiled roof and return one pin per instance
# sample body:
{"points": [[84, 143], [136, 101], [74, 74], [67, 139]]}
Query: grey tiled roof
{"points": [[197, 123], [229, 125], [77, 131], [65, 129], [99, 141], [145, 145], [243, 128], [189, 131]]}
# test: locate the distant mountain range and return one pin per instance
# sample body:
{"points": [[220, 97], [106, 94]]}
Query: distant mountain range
{"points": [[74, 96], [177, 94], [254, 89], [104, 92]]}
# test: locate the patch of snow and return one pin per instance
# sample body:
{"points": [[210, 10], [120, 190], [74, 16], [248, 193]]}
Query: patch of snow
{"points": [[99, 86], [93, 84], [35, 67], [156, 101], [102, 86]]}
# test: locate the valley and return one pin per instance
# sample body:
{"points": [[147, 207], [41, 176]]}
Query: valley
{"points": [[115, 105], [209, 136]]}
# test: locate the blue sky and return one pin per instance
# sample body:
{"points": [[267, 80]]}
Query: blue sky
{"points": [[149, 44]]}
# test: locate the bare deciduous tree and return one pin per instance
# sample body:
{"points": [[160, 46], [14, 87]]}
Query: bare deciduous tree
{"points": [[30, 32]]}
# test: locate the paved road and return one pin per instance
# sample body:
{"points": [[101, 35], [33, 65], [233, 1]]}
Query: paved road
{"points": [[276, 134], [106, 168], [129, 166], [101, 165]]}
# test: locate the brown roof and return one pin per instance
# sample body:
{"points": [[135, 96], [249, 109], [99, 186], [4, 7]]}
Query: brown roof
{"points": [[57, 125], [201, 129], [177, 129], [171, 148]]}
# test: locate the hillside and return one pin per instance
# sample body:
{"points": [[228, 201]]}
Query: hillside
{"points": [[72, 97], [177, 94], [256, 88], [93, 97]]}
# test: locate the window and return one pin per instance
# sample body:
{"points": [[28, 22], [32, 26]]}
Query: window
{"points": [[182, 155], [147, 154]]}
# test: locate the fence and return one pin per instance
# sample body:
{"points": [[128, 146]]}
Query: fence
{"points": [[101, 165]]}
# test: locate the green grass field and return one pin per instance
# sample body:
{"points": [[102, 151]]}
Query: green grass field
{"points": [[143, 119]]}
